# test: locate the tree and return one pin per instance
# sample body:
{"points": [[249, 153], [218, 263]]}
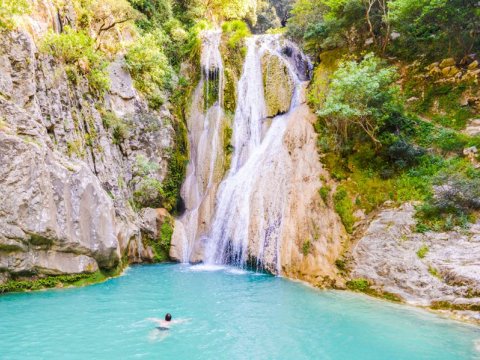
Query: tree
{"points": [[360, 97], [436, 28]]}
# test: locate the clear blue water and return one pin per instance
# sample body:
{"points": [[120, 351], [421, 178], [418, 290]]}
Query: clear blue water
{"points": [[231, 315]]}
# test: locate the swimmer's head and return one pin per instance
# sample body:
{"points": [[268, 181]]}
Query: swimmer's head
{"points": [[168, 317]]}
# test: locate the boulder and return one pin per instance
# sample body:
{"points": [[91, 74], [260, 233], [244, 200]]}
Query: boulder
{"points": [[447, 63], [278, 84]]}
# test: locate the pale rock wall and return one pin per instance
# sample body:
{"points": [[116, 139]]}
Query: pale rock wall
{"points": [[64, 184], [386, 255]]}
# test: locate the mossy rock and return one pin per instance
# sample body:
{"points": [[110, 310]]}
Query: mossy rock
{"points": [[278, 85]]}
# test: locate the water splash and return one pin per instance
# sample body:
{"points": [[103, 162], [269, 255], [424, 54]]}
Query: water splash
{"points": [[241, 198]]}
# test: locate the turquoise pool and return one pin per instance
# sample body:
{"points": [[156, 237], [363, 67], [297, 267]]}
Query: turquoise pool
{"points": [[228, 313]]}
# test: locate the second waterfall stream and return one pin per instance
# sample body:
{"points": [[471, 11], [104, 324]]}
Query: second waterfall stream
{"points": [[260, 206]]}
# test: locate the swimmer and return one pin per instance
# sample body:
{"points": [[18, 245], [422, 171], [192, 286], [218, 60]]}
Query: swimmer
{"points": [[164, 324]]}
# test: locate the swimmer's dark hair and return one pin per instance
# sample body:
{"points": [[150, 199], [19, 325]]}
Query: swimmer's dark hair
{"points": [[168, 317]]}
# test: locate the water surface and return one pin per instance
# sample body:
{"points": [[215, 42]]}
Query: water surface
{"points": [[231, 315]]}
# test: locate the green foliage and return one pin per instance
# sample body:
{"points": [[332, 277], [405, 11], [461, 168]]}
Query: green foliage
{"points": [[161, 246], [361, 285], [324, 193], [344, 208], [306, 247], [439, 102], [9, 9], [157, 13], [150, 68], [193, 45], [177, 167], [454, 203], [77, 48], [56, 281], [435, 28], [422, 252], [120, 128], [361, 98], [148, 190], [236, 32]]}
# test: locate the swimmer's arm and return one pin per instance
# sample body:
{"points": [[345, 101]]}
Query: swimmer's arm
{"points": [[156, 320]]}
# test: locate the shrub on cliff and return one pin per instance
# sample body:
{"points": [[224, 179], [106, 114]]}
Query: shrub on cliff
{"points": [[361, 97], [150, 68], [9, 9], [456, 197], [77, 50]]}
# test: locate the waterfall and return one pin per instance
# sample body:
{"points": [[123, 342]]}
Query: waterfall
{"points": [[238, 200], [268, 199], [204, 139]]}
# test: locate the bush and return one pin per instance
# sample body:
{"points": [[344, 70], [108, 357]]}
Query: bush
{"points": [[358, 285], [77, 48], [236, 31], [306, 247], [9, 9], [344, 208], [120, 129], [148, 191], [456, 199], [161, 245], [422, 252], [361, 96], [150, 69]]}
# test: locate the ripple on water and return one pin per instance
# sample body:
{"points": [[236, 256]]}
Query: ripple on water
{"points": [[231, 316]]}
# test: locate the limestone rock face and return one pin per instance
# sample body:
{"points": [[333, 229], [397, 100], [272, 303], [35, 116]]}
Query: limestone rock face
{"points": [[386, 255], [65, 184], [313, 236], [278, 85]]}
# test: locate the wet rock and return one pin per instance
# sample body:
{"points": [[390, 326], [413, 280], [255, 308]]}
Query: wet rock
{"points": [[278, 85]]}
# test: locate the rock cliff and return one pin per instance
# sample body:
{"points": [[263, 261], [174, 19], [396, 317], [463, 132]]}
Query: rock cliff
{"points": [[66, 179]]}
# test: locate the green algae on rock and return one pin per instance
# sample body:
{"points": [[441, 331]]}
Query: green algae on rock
{"points": [[278, 85]]}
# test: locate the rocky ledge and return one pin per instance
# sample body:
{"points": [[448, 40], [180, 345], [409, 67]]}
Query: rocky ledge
{"points": [[438, 270]]}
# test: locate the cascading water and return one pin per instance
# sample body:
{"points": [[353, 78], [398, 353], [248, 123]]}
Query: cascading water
{"points": [[231, 228], [204, 125], [267, 210]]}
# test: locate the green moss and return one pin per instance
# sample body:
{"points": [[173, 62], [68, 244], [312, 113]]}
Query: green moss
{"points": [[434, 272], [57, 281], [211, 90], [445, 305], [340, 264], [422, 252], [9, 248], [344, 208], [75, 147], [324, 193], [306, 247], [363, 285], [161, 246], [278, 85], [39, 240]]}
